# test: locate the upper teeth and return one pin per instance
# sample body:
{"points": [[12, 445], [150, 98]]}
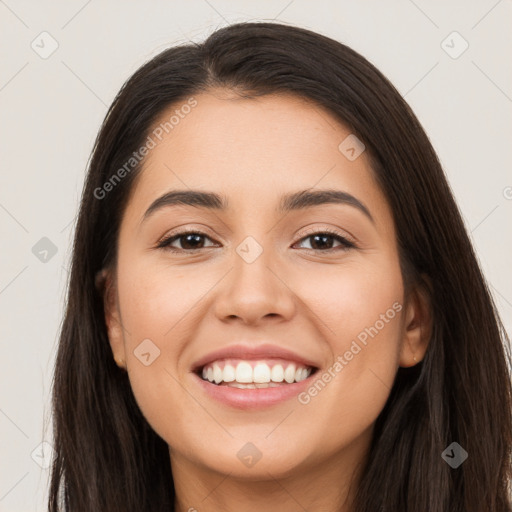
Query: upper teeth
{"points": [[258, 372]]}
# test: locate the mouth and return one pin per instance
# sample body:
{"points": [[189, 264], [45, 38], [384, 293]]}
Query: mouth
{"points": [[253, 384], [254, 374]]}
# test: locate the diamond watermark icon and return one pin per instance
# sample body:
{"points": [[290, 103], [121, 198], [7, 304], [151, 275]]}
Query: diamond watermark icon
{"points": [[351, 147], [146, 352], [44, 45], [454, 455], [454, 45], [249, 250], [44, 250], [43, 455], [249, 454]]}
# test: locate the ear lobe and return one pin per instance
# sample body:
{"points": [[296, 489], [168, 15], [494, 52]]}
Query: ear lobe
{"points": [[105, 284], [417, 325]]}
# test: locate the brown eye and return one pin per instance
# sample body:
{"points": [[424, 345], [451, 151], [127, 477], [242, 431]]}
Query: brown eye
{"points": [[189, 241], [323, 241]]}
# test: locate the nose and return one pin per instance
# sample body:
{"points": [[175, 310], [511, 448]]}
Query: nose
{"points": [[254, 291]]}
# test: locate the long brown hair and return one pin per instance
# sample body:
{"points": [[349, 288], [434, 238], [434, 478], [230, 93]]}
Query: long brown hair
{"points": [[107, 456]]}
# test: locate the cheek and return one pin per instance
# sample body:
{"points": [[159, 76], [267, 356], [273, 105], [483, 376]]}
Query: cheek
{"points": [[360, 309], [155, 299], [351, 298], [161, 309]]}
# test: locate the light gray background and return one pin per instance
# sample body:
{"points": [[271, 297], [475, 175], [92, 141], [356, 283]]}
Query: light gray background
{"points": [[51, 109]]}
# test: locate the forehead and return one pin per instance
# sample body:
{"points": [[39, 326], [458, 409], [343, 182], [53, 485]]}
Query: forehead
{"points": [[259, 135], [252, 151]]}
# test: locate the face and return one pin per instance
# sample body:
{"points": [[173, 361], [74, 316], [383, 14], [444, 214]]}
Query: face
{"points": [[261, 289]]}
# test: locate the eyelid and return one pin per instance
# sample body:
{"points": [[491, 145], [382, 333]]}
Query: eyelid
{"points": [[165, 241], [329, 230], [182, 230]]}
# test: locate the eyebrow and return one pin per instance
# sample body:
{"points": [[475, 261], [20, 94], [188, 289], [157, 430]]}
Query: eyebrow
{"points": [[289, 202]]}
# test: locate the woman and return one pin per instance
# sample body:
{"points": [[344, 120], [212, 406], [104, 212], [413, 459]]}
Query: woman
{"points": [[273, 302]]}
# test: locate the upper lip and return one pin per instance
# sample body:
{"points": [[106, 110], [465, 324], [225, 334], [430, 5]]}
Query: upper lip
{"points": [[248, 352]]}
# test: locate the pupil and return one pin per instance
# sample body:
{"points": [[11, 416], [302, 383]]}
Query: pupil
{"points": [[323, 238], [191, 236]]}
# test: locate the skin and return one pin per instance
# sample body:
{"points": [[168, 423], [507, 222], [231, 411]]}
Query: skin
{"points": [[313, 302]]}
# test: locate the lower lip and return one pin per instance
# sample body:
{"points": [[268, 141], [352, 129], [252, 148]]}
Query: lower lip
{"points": [[253, 398]]}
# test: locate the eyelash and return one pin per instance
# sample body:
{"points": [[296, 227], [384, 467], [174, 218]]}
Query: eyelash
{"points": [[346, 244]]}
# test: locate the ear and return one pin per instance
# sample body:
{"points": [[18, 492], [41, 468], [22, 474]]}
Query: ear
{"points": [[417, 328], [106, 285]]}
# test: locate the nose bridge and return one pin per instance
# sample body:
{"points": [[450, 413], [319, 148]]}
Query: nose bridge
{"points": [[252, 262], [254, 289]]}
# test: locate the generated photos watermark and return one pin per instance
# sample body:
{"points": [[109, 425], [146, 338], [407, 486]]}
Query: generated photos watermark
{"points": [[343, 360], [137, 156]]}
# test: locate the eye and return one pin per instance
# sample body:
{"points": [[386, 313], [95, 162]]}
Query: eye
{"points": [[322, 241], [189, 241]]}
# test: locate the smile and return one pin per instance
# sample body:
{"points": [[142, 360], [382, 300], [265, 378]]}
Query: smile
{"points": [[251, 374], [253, 384]]}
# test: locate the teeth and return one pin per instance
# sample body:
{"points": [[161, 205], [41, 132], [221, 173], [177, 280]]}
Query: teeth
{"points": [[277, 373], [289, 373], [242, 386], [243, 375], [217, 373], [261, 373], [229, 373], [253, 386]]}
